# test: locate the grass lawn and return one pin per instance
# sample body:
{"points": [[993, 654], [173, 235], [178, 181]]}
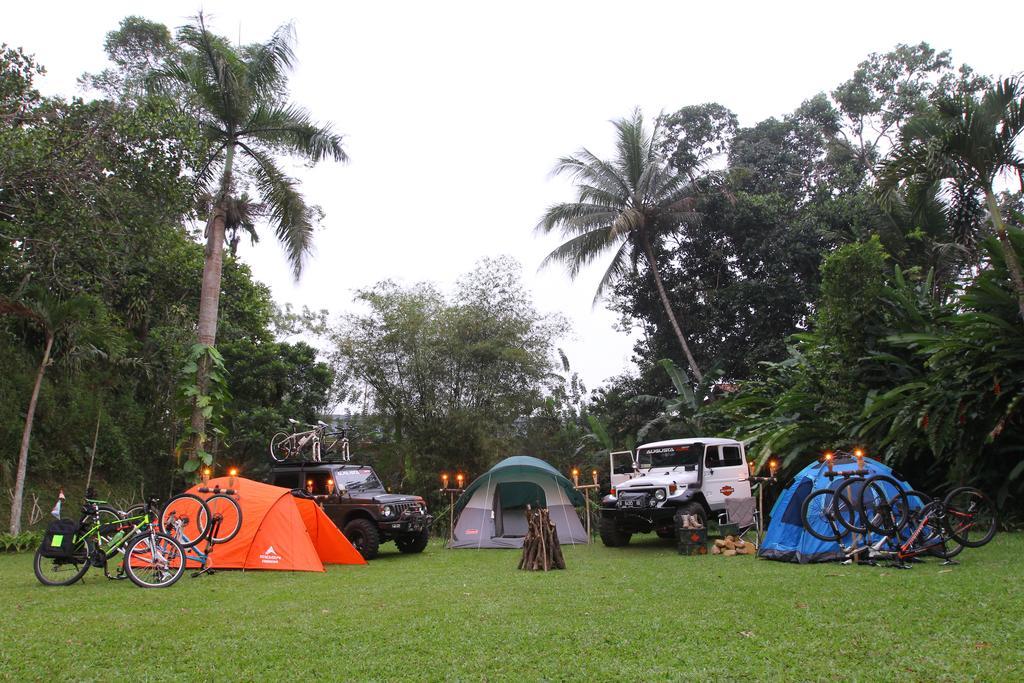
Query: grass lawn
{"points": [[636, 613]]}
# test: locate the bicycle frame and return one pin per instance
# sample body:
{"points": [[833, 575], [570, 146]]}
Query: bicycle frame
{"points": [[102, 550]]}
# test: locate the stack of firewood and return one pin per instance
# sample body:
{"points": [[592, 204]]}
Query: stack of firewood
{"points": [[731, 545], [541, 550]]}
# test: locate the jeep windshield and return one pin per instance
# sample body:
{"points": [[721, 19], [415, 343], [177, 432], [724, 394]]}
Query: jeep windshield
{"points": [[360, 479], [670, 456]]}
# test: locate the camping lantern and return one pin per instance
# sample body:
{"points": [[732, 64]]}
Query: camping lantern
{"points": [[593, 473], [206, 475], [459, 478], [444, 480], [773, 465], [575, 476], [232, 473], [828, 459], [859, 454]]}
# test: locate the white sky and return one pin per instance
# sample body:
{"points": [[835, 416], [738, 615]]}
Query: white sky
{"points": [[455, 112]]}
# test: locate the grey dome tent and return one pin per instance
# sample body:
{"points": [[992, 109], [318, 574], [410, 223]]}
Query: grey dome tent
{"points": [[491, 512]]}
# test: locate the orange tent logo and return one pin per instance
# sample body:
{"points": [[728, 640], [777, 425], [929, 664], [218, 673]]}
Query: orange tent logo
{"points": [[270, 556]]}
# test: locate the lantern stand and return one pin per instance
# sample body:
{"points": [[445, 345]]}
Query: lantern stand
{"points": [[761, 483], [586, 494], [451, 491], [861, 471]]}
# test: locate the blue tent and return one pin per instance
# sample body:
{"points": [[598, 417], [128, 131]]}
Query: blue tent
{"points": [[786, 539]]}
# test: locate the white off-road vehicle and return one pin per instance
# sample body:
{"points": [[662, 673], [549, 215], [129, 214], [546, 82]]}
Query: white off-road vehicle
{"points": [[663, 481]]}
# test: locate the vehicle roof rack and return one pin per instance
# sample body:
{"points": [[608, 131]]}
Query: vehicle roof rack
{"points": [[299, 463]]}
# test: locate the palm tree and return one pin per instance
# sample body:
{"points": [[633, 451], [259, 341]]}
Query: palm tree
{"points": [[237, 98], [624, 205], [59, 321], [965, 139]]}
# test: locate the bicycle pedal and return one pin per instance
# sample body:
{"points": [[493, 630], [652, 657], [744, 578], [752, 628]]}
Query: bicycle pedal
{"points": [[950, 562]]}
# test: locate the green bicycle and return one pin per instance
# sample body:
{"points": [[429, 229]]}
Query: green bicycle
{"points": [[151, 559]]}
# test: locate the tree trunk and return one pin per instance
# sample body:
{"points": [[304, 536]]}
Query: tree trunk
{"points": [[209, 298], [1012, 262], [649, 251], [19, 481], [95, 439]]}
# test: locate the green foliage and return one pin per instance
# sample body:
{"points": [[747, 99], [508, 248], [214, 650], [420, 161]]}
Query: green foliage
{"points": [[95, 197], [237, 98], [450, 380], [19, 543], [209, 397], [624, 206], [960, 399], [269, 383]]}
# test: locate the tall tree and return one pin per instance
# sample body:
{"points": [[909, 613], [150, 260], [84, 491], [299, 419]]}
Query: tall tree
{"points": [[625, 205], [237, 97], [969, 139], [58, 321]]}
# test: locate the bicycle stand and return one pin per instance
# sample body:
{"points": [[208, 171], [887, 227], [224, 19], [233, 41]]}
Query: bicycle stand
{"points": [[206, 568]]}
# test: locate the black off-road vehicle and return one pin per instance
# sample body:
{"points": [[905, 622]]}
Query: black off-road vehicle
{"points": [[358, 504]]}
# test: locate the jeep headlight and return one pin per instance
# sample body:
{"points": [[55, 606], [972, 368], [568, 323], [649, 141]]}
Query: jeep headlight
{"points": [[387, 511], [659, 495]]}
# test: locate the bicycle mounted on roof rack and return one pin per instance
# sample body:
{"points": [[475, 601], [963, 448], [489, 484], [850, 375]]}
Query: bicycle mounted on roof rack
{"points": [[317, 441]]}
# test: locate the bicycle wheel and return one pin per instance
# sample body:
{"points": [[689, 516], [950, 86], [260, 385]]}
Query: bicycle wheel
{"points": [[136, 510], [186, 518], [154, 560], [923, 519], [847, 497], [230, 515], [51, 572], [281, 446], [883, 505], [818, 514], [970, 517], [107, 514]]}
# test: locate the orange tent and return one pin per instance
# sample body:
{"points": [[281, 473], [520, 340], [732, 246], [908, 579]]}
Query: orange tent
{"points": [[279, 531]]}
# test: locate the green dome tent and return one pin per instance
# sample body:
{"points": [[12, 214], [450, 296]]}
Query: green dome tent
{"points": [[490, 513]]}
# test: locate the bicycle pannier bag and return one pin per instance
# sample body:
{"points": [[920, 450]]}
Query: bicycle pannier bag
{"points": [[59, 539]]}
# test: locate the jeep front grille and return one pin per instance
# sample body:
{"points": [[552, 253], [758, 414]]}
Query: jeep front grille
{"points": [[401, 508]]}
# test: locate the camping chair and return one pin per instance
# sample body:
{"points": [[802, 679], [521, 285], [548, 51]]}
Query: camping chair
{"points": [[742, 513]]}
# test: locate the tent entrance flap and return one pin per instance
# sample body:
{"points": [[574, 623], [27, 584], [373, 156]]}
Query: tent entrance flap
{"points": [[510, 501]]}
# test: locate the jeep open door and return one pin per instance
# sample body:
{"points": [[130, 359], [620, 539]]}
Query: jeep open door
{"points": [[622, 467], [725, 475]]}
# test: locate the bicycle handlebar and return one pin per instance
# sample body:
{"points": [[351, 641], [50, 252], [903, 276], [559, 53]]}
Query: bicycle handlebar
{"points": [[847, 473], [216, 489]]}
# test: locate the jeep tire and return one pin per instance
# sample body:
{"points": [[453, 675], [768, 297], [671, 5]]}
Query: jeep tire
{"points": [[612, 535], [413, 543], [363, 534]]}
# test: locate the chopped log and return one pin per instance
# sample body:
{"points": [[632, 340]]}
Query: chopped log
{"points": [[541, 549], [728, 552], [719, 543], [716, 550]]}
